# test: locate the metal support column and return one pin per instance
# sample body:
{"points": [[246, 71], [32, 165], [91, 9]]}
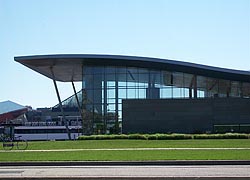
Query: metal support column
{"points": [[195, 86], [78, 102], [105, 105], [116, 106], [60, 104], [190, 92]]}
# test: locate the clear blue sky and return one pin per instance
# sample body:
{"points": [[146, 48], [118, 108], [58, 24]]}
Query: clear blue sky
{"points": [[211, 32]]}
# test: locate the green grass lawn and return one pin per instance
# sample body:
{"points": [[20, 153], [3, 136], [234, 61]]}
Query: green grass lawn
{"points": [[127, 155], [103, 144], [117, 155]]}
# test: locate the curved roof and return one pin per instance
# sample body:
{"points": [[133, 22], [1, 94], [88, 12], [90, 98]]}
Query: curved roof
{"points": [[68, 67]]}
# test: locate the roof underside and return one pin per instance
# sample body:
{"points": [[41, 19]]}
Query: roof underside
{"points": [[68, 67]]}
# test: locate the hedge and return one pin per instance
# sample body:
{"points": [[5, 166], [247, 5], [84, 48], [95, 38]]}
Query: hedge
{"points": [[222, 136], [166, 136]]}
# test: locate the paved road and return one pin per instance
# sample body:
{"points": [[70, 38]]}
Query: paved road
{"points": [[126, 172]]}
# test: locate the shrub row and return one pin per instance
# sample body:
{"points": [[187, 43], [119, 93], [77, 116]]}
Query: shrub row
{"points": [[166, 136], [222, 136]]}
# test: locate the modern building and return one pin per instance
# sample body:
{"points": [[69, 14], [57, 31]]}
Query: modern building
{"points": [[11, 111], [10, 114], [131, 94], [41, 124]]}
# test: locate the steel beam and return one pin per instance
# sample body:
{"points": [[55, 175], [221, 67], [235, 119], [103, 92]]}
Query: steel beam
{"points": [[78, 103], [60, 104]]}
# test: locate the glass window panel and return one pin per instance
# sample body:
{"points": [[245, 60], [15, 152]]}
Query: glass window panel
{"points": [[143, 80], [131, 84], [122, 93], [201, 82], [122, 84], [235, 89], [111, 107], [110, 100], [201, 94], [99, 77], [132, 77], [98, 81], [110, 84], [102, 93], [136, 93], [122, 79], [119, 107], [177, 93], [224, 88], [155, 78], [212, 87], [83, 84], [142, 93], [88, 81], [120, 114], [121, 70], [111, 93], [143, 71], [167, 78], [188, 78], [158, 85], [246, 89], [132, 70], [110, 70], [97, 96], [142, 85], [185, 92], [110, 77], [87, 70], [166, 92], [98, 108], [201, 89], [154, 71], [98, 70], [89, 107], [88, 96], [131, 93], [177, 79], [110, 115]]}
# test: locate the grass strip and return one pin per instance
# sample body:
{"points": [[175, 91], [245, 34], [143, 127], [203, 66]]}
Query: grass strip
{"points": [[127, 155], [109, 144], [124, 155]]}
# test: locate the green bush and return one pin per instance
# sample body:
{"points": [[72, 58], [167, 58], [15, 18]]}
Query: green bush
{"points": [[87, 137], [173, 136], [236, 136], [221, 136], [166, 136], [102, 137], [152, 137], [182, 136], [206, 136], [120, 136], [137, 136]]}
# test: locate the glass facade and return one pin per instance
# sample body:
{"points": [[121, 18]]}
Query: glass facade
{"points": [[104, 88]]}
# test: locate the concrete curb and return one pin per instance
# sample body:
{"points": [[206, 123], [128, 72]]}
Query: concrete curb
{"points": [[128, 163], [126, 178]]}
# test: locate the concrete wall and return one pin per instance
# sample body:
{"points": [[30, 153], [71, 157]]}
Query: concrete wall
{"points": [[182, 115]]}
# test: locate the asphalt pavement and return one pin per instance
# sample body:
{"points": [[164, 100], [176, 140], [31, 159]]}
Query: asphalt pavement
{"points": [[202, 172]]}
